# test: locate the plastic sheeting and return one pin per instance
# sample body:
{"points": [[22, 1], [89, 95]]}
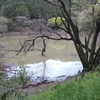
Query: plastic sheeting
{"points": [[51, 70]]}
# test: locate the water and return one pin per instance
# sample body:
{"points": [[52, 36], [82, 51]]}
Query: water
{"points": [[57, 50]]}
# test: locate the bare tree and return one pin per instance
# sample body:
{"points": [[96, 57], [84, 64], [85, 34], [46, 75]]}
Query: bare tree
{"points": [[88, 52]]}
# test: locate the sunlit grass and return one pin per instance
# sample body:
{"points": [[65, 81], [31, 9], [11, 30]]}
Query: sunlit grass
{"points": [[87, 88]]}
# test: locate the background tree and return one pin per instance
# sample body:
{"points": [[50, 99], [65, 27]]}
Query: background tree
{"points": [[35, 8], [88, 52], [21, 10], [80, 5]]}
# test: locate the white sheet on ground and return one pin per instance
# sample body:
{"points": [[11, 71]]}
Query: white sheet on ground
{"points": [[51, 70]]}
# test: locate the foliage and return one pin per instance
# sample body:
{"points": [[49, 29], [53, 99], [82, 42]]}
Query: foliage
{"points": [[97, 7], [80, 5], [27, 23], [21, 10], [22, 77], [53, 21], [35, 8], [8, 9], [84, 20], [3, 28], [4, 22], [20, 19], [12, 88], [13, 94], [85, 17], [2, 2], [86, 88]]}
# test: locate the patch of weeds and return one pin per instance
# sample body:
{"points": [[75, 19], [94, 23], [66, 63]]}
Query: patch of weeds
{"points": [[98, 69], [12, 88], [24, 76], [13, 94]]}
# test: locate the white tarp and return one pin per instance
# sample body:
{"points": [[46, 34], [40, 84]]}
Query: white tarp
{"points": [[51, 70]]}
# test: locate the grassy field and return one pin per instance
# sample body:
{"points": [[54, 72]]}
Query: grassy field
{"points": [[87, 88]]}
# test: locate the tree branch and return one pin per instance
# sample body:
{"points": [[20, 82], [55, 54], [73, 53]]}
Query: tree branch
{"points": [[50, 2], [33, 41]]}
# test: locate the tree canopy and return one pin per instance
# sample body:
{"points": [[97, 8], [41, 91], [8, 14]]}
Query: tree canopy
{"points": [[37, 8]]}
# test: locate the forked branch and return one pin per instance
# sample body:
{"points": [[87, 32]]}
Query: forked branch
{"points": [[32, 41]]}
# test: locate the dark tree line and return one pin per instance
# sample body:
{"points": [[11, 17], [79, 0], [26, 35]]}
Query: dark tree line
{"points": [[36, 8]]}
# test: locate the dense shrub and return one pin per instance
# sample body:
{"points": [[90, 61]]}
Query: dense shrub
{"points": [[4, 20], [84, 20], [21, 10], [3, 28], [35, 9], [53, 21], [20, 19], [85, 17], [4, 23], [27, 23]]}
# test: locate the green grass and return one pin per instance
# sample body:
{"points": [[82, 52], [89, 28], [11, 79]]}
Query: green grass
{"points": [[87, 88]]}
